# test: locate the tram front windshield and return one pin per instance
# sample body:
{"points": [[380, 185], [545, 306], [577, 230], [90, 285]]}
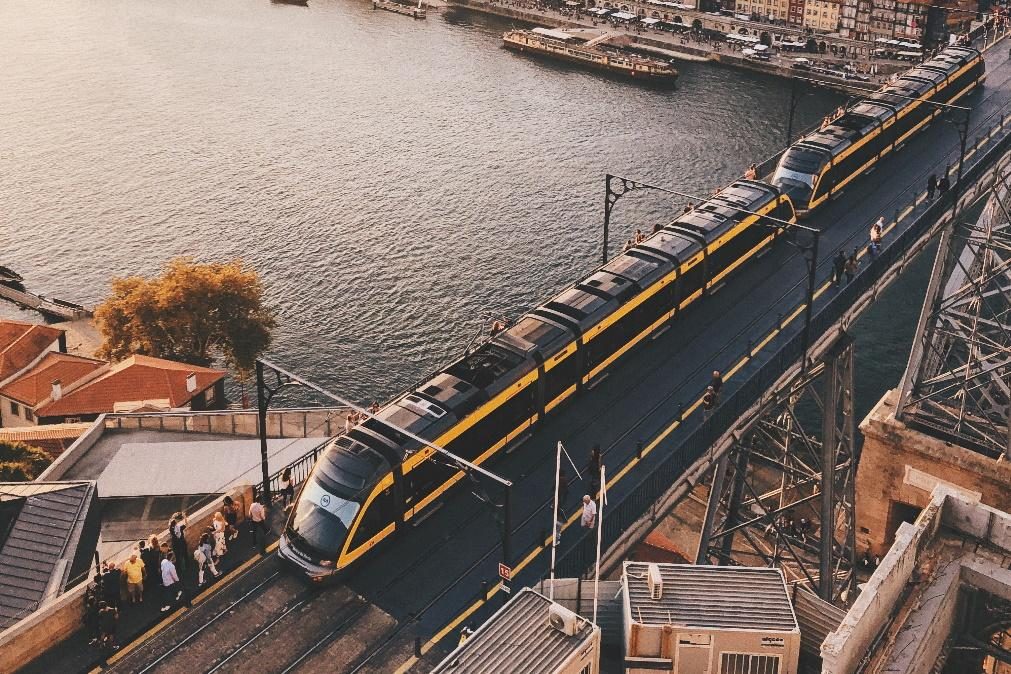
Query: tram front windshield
{"points": [[321, 521]]}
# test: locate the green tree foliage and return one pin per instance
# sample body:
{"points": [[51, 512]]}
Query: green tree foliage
{"points": [[20, 462], [190, 313]]}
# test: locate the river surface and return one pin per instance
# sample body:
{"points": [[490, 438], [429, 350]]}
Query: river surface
{"points": [[392, 180]]}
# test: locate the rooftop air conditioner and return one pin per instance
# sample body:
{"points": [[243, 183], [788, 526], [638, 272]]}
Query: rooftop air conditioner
{"points": [[655, 582], [563, 620]]}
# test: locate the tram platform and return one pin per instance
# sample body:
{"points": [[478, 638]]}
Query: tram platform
{"points": [[138, 622]]}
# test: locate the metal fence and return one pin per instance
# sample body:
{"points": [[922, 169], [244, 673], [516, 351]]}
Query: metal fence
{"points": [[641, 498], [300, 469]]}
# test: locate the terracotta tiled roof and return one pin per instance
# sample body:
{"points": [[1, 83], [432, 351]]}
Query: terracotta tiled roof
{"points": [[136, 378], [21, 343], [36, 385], [52, 439]]}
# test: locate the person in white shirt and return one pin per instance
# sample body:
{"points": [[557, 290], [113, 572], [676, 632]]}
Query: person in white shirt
{"points": [[170, 583], [589, 512]]}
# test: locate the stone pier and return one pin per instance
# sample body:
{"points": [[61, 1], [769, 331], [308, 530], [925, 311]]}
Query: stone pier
{"points": [[899, 468]]}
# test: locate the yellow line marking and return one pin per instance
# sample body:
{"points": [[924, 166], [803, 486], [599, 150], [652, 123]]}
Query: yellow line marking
{"points": [[172, 617]]}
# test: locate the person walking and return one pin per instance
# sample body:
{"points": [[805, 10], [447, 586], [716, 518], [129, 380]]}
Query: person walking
{"points": [[931, 186], [708, 402], [258, 523], [943, 185], [151, 556], [231, 513], [202, 555], [177, 536], [716, 383], [134, 570], [877, 233], [92, 603], [287, 488], [171, 587], [220, 529], [852, 264], [589, 516], [108, 617], [838, 267], [111, 578]]}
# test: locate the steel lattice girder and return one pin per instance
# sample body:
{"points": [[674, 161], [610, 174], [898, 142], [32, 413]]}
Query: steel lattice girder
{"points": [[774, 476], [957, 381]]}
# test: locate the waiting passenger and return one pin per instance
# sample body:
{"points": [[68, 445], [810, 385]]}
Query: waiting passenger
{"points": [[639, 236], [689, 208], [589, 516], [838, 267], [751, 173]]}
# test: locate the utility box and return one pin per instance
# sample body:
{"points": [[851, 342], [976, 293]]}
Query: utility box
{"points": [[688, 619]]}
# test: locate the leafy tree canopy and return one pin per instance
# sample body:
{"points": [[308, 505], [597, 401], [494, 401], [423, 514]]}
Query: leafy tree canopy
{"points": [[20, 462], [190, 313]]}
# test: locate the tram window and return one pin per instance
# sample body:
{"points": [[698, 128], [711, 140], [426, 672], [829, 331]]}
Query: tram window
{"points": [[425, 477], [376, 517], [605, 343], [561, 377], [478, 438], [692, 280]]}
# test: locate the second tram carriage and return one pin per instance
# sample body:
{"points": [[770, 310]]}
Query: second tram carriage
{"points": [[821, 164]]}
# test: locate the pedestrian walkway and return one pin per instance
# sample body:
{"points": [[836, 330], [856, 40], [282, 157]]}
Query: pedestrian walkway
{"points": [[137, 620]]}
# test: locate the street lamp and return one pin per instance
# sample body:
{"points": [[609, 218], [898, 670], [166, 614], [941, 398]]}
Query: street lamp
{"points": [[809, 251]]}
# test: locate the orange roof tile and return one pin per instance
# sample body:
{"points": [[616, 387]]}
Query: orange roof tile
{"points": [[35, 385], [21, 343], [136, 378]]}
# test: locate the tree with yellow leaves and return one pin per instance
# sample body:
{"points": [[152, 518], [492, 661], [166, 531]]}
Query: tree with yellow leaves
{"points": [[191, 313]]}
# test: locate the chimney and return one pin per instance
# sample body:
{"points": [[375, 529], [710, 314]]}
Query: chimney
{"points": [[191, 382], [57, 390]]}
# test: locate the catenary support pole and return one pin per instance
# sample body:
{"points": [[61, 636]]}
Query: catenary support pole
{"points": [[261, 408], [555, 529], [600, 530]]}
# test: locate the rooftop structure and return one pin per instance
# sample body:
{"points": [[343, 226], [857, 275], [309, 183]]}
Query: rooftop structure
{"points": [[530, 633], [940, 599], [686, 618], [59, 387], [48, 531], [23, 344]]}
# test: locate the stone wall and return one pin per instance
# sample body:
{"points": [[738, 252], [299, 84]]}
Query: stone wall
{"points": [[899, 468]]}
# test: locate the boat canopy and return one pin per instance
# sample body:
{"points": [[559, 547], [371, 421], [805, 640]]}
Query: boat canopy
{"points": [[548, 32]]}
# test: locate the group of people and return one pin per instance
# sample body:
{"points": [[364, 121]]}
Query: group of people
{"points": [[154, 569], [355, 417], [940, 186]]}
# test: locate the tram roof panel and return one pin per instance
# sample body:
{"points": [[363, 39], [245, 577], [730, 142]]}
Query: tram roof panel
{"points": [[579, 302], [635, 269], [609, 284], [927, 74], [747, 195], [537, 333], [490, 361], [673, 244], [872, 109]]}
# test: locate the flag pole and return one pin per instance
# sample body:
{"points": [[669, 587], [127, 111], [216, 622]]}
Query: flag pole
{"points": [[554, 520], [600, 529]]}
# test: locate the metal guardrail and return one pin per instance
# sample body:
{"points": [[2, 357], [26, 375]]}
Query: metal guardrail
{"points": [[300, 469], [641, 498]]}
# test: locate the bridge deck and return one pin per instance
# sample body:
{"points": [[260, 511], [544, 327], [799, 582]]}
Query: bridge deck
{"points": [[429, 583]]}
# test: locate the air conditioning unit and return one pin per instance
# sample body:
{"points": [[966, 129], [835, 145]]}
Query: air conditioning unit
{"points": [[655, 582], [563, 620]]}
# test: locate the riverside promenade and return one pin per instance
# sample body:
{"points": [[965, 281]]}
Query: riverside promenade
{"points": [[692, 47]]}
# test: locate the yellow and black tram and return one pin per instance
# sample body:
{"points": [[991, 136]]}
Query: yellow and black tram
{"points": [[374, 480], [821, 164]]}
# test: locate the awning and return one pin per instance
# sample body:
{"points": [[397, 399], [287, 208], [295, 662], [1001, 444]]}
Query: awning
{"points": [[623, 16], [599, 11], [650, 22], [910, 54]]}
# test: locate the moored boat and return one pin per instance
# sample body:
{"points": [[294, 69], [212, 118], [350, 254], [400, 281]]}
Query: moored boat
{"points": [[417, 12], [11, 278], [567, 47]]}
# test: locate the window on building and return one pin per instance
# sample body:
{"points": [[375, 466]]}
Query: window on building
{"points": [[210, 396], [28, 415], [586, 669], [15, 409], [72, 420]]}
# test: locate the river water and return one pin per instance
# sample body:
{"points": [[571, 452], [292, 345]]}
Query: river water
{"points": [[392, 180]]}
